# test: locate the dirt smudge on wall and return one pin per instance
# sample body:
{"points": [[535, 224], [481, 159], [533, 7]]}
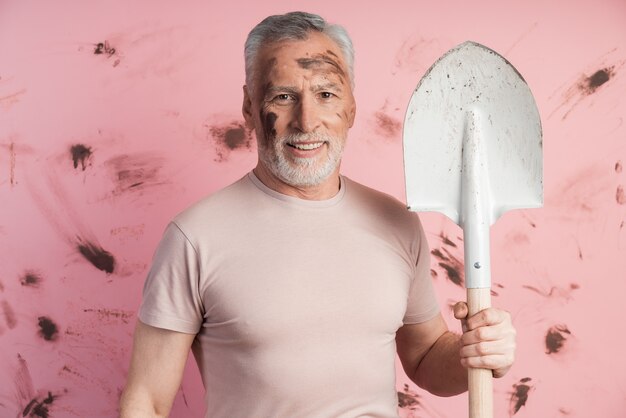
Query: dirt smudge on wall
{"points": [[111, 314], [38, 407], [519, 396], [408, 399], [589, 85], [81, 154], [12, 160], [23, 382], [620, 195], [556, 338], [387, 126], [451, 265], [230, 136], [586, 86], [48, 330], [31, 278], [9, 314], [97, 256], [135, 173]]}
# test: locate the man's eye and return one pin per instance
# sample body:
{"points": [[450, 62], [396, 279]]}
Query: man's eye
{"points": [[282, 97], [326, 95]]}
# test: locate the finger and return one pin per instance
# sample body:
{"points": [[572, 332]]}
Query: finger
{"points": [[487, 348], [493, 362], [487, 317], [460, 310], [482, 334]]}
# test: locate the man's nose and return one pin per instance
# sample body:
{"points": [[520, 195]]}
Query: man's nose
{"points": [[307, 115]]}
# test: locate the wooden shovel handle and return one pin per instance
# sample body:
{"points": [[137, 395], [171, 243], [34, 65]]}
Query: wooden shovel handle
{"points": [[480, 380]]}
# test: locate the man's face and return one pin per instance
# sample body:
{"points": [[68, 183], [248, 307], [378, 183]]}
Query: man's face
{"points": [[301, 109]]}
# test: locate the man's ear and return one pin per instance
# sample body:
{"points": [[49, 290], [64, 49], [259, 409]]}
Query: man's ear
{"points": [[351, 113], [246, 109]]}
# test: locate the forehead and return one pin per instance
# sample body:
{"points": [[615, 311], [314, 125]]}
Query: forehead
{"points": [[317, 52]]}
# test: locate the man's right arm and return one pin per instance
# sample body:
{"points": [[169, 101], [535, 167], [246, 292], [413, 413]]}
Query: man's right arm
{"points": [[156, 370]]}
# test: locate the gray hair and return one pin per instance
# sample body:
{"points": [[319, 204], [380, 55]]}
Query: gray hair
{"points": [[294, 26]]}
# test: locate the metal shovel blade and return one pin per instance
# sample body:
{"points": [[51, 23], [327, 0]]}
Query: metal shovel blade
{"points": [[472, 151]]}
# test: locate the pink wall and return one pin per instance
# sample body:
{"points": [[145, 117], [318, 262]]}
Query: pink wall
{"points": [[155, 124]]}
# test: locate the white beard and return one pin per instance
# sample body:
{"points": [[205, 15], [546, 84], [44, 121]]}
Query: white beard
{"points": [[302, 172]]}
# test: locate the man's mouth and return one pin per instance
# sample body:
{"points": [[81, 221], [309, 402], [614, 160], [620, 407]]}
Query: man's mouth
{"points": [[306, 146]]}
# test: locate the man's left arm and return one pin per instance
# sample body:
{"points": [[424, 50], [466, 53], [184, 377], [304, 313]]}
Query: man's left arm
{"points": [[437, 359]]}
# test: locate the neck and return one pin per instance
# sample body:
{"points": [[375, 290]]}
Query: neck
{"points": [[323, 191]]}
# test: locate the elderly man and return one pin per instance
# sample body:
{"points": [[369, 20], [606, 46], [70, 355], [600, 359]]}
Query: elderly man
{"points": [[296, 286]]}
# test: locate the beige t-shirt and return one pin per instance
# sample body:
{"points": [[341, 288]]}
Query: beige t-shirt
{"points": [[295, 303]]}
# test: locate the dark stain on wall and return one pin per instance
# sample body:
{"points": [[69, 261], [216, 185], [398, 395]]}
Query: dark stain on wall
{"points": [[23, 382], [135, 173], [81, 154], [452, 266], [12, 159], [230, 137], [446, 241], [9, 314], [620, 195], [30, 278], [585, 86], [48, 330], [39, 407], [387, 125], [555, 292], [104, 314], [96, 255], [618, 167], [589, 85], [519, 396], [408, 399], [556, 338], [103, 48]]}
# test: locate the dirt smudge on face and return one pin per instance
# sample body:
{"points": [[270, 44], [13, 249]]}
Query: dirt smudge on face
{"points": [[451, 265], [269, 127], [326, 62], [519, 396], [9, 314], [81, 154], [556, 338], [48, 330], [97, 256]]}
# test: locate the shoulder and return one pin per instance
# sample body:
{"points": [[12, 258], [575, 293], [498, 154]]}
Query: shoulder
{"points": [[215, 208], [374, 199]]}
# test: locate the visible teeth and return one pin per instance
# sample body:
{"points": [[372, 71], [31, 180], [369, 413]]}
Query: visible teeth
{"points": [[307, 147]]}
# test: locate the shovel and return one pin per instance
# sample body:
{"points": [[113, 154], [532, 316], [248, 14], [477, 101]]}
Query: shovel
{"points": [[472, 151]]}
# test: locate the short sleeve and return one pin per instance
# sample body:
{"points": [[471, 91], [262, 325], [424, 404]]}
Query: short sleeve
{"points": [[422, 301], [171, 297]]}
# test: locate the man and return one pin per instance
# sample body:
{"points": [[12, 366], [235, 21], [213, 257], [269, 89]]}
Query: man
{"points": [[295, 286]]}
